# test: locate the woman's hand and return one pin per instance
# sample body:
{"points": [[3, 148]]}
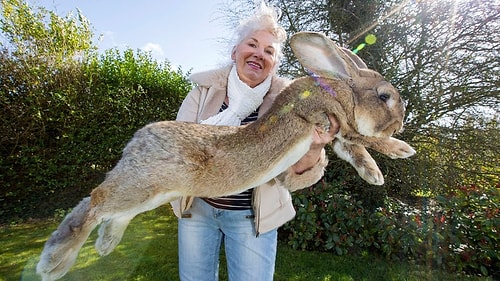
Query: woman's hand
{"points": [[320, 138]]}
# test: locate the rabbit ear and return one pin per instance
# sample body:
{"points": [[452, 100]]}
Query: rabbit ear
{"points": [[357, 60], [321, 55]]}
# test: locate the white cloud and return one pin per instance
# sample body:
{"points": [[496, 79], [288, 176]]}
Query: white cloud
{"points": [[107, 40], [155, 49]]}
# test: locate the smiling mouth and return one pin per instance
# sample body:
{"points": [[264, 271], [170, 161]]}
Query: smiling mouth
{"points": [[254, 64]]}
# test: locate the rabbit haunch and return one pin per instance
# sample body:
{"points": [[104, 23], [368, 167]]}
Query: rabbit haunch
{"points": [[166, 160]]}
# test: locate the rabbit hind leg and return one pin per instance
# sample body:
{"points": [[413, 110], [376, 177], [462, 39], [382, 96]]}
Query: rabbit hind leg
{"points": [[110, 234], [112, 229], [61, 250]]}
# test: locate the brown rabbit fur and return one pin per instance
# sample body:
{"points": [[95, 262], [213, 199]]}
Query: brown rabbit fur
{"points": [[166, 160]]}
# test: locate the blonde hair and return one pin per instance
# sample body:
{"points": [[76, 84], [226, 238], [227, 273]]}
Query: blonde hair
{"points": [[265, 18]]}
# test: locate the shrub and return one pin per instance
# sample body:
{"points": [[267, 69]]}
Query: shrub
{"points": [[63, 127], [458, 231], [328, 219], [473, 218]]}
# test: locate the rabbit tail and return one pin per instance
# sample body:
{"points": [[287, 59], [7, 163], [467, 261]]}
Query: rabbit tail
{"points": [[61, 250]]}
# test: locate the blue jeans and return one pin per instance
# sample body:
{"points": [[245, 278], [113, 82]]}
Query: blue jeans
{"points": [[248, 257]]}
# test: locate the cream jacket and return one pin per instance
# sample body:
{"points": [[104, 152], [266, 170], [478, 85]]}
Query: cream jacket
{"points": [[272, 202]]}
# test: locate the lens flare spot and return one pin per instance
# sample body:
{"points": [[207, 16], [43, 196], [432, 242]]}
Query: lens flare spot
{"points": [[287, 108], [370, 39], [305, 94]]}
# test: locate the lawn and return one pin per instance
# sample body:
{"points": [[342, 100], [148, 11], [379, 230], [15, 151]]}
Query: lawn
{"points": [[148, 251]]}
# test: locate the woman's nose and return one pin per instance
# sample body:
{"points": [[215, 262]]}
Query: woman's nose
{"points": [[259, 52]]}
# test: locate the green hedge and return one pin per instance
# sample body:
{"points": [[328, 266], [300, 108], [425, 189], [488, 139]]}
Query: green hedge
{"points": [[63, 128], [457, 231]]}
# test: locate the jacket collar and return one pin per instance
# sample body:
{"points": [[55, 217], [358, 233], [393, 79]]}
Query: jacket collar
{"points": [[212, 78]]}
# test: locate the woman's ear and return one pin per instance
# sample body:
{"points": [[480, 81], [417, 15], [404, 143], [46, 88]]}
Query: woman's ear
{"points": [[233, 54]]}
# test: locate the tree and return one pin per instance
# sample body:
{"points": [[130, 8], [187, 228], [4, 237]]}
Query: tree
{"points": [[443, 57], [40, 33]]}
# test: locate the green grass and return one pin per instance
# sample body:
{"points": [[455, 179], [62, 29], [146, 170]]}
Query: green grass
{"points": [[148, 251]]}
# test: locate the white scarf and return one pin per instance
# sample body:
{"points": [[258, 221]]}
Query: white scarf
{"points": [[243, 100]]}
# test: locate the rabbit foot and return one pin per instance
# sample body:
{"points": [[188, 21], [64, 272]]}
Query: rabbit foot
{"points": [[398, 149], [106, 244], [361, 160], [110, 234], [371, 174]]}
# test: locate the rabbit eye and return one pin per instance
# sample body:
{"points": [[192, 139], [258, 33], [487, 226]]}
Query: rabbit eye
{"points": [[384, 97]]}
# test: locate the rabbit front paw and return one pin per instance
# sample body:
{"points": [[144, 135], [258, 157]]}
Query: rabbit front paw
{"points": [[370, 172], [398, 149], [361, 160]]}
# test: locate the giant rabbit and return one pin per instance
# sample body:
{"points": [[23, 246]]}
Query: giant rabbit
{"points": [[169, 159]]}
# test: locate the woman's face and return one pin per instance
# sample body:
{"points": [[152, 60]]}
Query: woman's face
{"points": [[255, 57]]}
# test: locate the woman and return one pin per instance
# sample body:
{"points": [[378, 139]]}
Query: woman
{"points": [[247, 223]]}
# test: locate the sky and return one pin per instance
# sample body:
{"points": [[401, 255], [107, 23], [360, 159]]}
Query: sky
{"points": [[185, 32]]}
